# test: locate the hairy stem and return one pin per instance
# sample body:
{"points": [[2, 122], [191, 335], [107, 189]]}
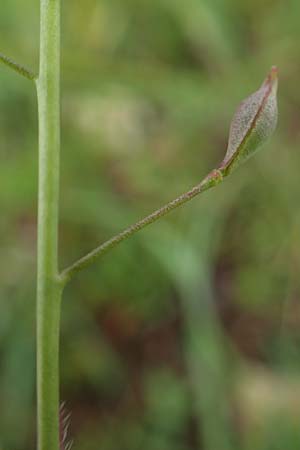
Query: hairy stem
{"points": [[214, 178], [21, 70], [49, 288]]}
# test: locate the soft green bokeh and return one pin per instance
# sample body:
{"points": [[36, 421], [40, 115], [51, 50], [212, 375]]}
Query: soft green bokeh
{"points": [[187, 335]]}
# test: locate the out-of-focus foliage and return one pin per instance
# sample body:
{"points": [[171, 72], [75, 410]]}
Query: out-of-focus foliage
{"points": [[186, 336]]}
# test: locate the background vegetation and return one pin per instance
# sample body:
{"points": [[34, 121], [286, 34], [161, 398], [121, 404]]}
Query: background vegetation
{"points": [[186, 336]]}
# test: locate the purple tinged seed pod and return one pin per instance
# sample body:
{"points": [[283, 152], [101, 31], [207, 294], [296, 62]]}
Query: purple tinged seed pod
{"points": [[253, 123], [64, 424]]}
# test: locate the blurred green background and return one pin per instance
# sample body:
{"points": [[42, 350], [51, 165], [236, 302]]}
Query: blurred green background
{"points": [[187, 336]]}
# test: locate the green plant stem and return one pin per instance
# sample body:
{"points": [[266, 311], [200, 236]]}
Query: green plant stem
{"points": [[49, 289], [21, 70], [212, 179]]}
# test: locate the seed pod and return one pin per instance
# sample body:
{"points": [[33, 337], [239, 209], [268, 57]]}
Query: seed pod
{"points": [[64, 424], [252, 124]]}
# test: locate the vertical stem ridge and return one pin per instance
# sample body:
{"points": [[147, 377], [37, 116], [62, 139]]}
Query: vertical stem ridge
{"points": [[48, 288]]}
